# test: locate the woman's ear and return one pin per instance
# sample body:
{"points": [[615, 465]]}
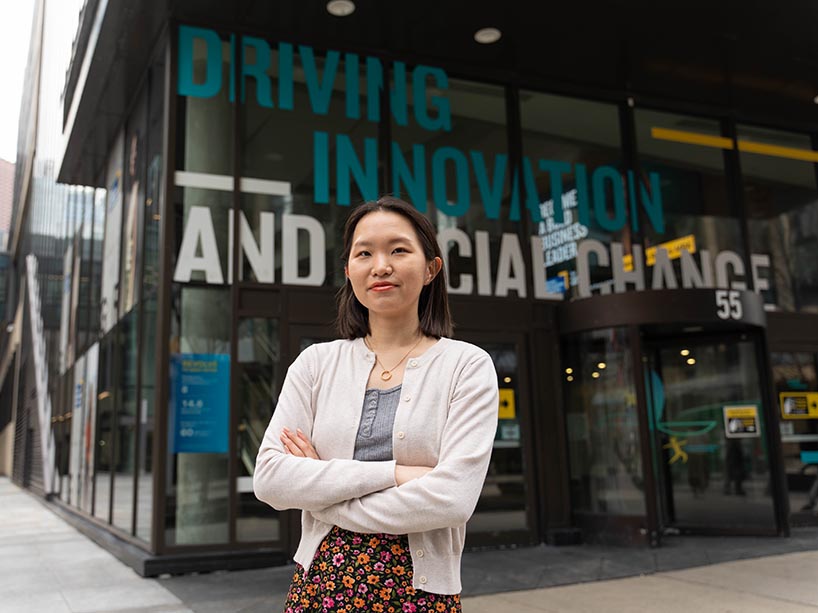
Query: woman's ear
{"points": [[434, 267]]}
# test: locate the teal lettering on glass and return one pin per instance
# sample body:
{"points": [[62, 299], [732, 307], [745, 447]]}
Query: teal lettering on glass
{"points": [[652, 201], [555, 169], [257, 70], [285, 76], [353, 94], [186, 84], [443, 119], [461, 172], [319, 88], [609, 175], [491, 191], [347, 163], [583, 199], [320, 163], [415, 182]]}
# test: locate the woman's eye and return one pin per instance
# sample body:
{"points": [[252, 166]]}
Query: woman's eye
{"points": [[400, 250], [363, 253]]}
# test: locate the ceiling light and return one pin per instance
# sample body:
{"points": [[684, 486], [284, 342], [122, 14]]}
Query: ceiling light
{"points": [[815, 100], [595, 375], [691, 361], [685, 352], [568, 371], [487, 36], [570, 378], [602, 366], [340, 8], [507, 380]]}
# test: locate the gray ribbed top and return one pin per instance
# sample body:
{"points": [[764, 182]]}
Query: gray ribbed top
{"points": [[374, 440]]}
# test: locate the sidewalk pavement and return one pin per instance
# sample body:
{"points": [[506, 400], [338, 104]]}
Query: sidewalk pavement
{"points": [[47, 566]]}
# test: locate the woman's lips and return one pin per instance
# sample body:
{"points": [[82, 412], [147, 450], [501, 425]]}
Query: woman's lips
{"points": [[382, 288]]}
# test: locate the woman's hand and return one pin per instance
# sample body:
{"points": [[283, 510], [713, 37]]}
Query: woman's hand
{"points": [[404, 474], [298, 444]]}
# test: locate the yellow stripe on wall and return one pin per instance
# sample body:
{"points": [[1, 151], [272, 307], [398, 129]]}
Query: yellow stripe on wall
{"points": [[691, 138], [721, 142], [777, 151]]}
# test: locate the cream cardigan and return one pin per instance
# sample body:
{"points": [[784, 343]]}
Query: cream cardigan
{"points": [[447, 418]]}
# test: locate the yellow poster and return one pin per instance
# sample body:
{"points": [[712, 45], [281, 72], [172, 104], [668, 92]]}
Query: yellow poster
{"points": [[798, 405], [674, 251], [741, 421], [507, 408]]}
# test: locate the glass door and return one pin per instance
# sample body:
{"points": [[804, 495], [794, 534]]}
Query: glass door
{"points": [[706, 412]]}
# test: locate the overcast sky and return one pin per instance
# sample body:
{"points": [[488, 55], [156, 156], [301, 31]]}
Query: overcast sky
{"points": [[15, 29]]}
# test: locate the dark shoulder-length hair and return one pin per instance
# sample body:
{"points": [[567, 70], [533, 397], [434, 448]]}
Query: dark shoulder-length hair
{"points": [[433, 308]]}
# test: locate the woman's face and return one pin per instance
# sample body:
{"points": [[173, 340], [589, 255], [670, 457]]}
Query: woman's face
{"points": [[387, 266]]}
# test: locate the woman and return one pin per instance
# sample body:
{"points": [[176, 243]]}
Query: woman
{"points": [[382, 438]]}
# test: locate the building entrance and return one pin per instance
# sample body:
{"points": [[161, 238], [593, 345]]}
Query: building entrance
{"points": [[669, 417], [707, 425]]}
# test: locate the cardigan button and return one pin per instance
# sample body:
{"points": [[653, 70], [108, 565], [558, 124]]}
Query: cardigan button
{"points": [[419, 553], [401, 435], [423, 578], [413, 363], [407, 398]]}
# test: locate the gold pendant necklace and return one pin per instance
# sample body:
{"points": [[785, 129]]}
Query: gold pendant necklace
{"points": [[386, 374]]}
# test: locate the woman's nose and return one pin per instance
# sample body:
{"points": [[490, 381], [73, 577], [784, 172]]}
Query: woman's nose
{"points": [[381, 265]]}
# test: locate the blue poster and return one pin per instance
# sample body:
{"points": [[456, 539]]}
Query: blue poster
{"points": [[199, 402]]}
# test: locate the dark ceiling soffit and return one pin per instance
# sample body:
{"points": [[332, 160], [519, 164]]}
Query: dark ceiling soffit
{"points": [[118, 62]]}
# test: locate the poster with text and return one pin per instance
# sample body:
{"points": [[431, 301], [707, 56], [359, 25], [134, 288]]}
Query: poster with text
{"points": [[200, 402]]}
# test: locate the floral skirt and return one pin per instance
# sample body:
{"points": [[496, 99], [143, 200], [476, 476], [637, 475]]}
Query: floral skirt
{"points": [[363, 572]]}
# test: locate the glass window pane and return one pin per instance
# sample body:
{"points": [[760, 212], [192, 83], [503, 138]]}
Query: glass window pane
{"points": [[124, 445], [502, 503], [259, 365], [454, 166], [603, 428], [781, 197], [103, 466], [199, 417], [697, 213], [793, 374], [572, 157], [309, 163]]}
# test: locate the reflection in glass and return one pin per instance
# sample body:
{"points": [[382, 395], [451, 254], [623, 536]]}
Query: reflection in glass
{"points": [[124, 447], [104, 429], [281, 145], [502, 503], [259, 361], [795, 373], [781, 198], [603, 429], [566, 142], [710, 472], [695, 205], [460, 177], [197, 488], [144, 494]]}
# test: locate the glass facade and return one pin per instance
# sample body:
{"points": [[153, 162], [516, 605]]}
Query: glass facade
{"points": [[166, 354]]}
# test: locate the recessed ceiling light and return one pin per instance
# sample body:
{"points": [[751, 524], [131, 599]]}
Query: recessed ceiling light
{"points": [[487, 36], [815, 100], [602, 366], [341, 8], [507, 380], [568, 371], [691, 361], [595, 375], [685, 352], [570, 378]]}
